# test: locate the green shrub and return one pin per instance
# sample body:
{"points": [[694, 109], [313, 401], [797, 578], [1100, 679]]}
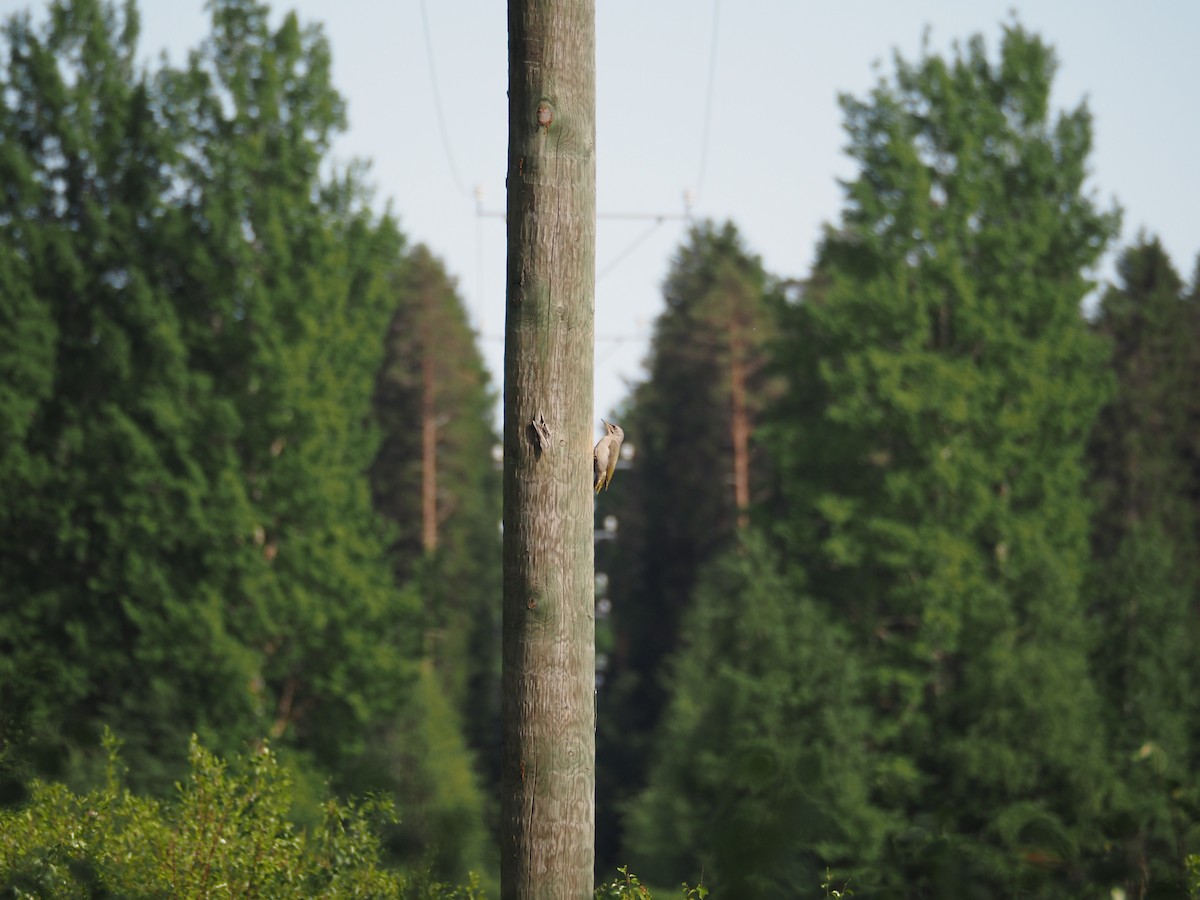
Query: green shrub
{"points": [[228, 833], [629, 887]]}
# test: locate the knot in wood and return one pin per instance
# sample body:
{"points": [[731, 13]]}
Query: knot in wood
{"points": [[541, 434]]}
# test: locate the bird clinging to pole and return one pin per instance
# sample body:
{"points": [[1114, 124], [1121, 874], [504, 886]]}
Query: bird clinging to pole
{"points": [[605, 456]]}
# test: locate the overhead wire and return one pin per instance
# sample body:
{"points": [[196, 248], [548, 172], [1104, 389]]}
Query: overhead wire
{"points": [[708, 100], [615, 343], [627, 251], [620, 257], [437, 102]]}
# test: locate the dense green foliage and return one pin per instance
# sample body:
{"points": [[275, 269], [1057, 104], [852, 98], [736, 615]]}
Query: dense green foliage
{"points": [[195, 309], [917, 668], [952, 381], [1145, 583], [432, 383], [761, 782], [227, 830], [677, 507]]}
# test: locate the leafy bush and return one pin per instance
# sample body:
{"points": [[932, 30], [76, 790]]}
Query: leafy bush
{"points": [[629, 887], [228, 832]]}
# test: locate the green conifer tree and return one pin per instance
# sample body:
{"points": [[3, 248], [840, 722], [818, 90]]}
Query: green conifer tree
{"points": [[696, 469], [104, 524], [943, 384], [284, 301], [760, 772], [1144, 577], [435, 479], [292, 288], [187, 543]]}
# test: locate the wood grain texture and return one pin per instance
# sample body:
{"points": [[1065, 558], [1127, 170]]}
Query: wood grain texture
{"points": [[548, 784]]}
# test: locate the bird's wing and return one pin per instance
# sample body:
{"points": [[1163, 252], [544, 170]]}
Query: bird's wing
{"points": [[600, 463], [612, 464]]}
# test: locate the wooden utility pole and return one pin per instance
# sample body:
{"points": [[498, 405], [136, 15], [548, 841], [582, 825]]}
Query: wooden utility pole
{"points": [[548, 782]]}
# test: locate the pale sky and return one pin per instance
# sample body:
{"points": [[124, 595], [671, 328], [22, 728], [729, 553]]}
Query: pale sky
{"points": [[774, 150]]}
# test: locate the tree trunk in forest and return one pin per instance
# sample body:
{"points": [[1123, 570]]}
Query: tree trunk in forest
{"points": [[740, 421], [429, 521], [548, 759]]}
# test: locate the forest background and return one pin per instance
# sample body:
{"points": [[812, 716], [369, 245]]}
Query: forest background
{"points": [[903, 583]]}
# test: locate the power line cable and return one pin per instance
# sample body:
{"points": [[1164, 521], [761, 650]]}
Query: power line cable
{"points": [[708, 101], [620, 257], [437, 102], [616, 344]]}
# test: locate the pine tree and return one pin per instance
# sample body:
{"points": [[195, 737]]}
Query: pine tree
{"points": [[942, 386], [696, 469], [435, 480]]}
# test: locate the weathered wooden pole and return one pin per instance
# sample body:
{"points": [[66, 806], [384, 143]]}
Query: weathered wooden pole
{"points": [[548, 803]]}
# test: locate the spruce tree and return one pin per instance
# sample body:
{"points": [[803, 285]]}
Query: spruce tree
{"points": [[285, 306], [1144, 578], [931, 452], [187, 543], [759, 777], [104, 529], [290, 286]]}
